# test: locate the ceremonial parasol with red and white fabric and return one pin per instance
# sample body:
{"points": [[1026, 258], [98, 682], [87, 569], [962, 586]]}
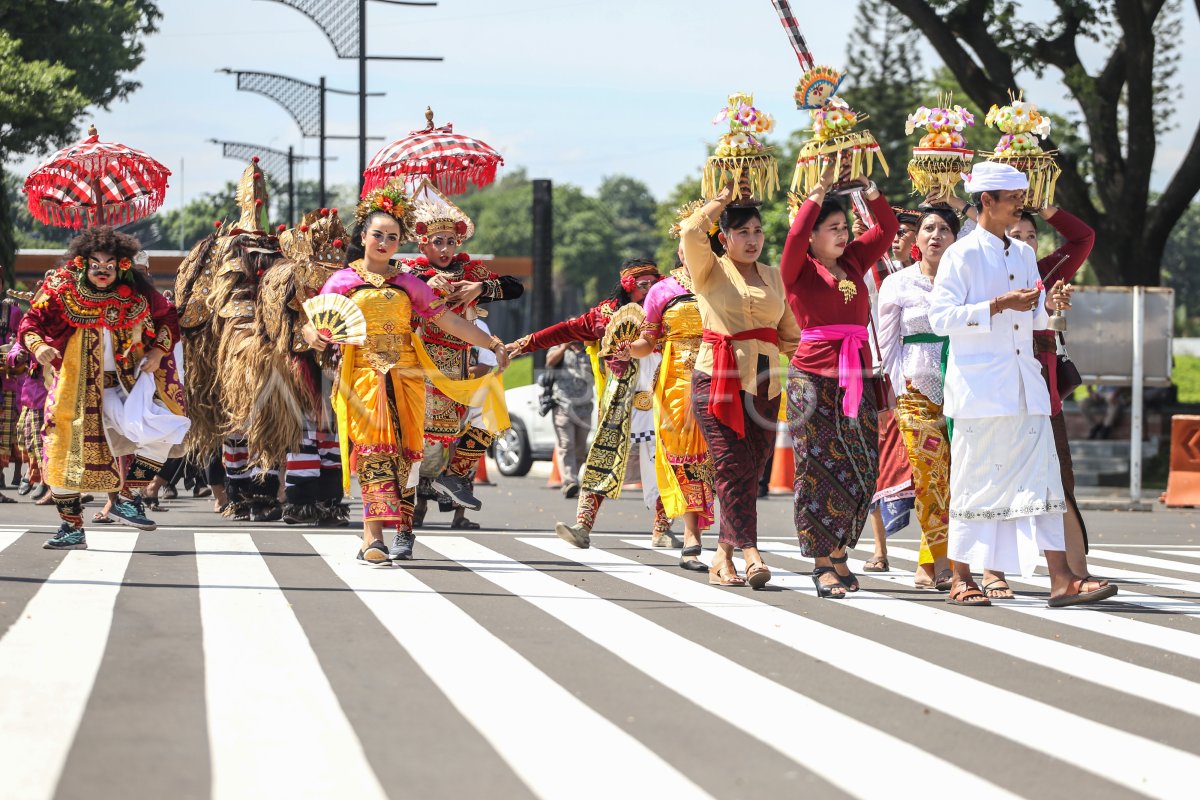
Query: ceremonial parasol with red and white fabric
{"points": [[100, 183], [449, 160]]}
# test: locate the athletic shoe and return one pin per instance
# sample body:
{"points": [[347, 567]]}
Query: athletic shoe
{"points": [[402, 546], [578, 535], [457, 490], [67, 538], [132, 513], [375, 556], [570, 490]]}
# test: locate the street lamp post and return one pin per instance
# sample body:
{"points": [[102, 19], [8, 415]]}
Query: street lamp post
{"points": [[272, 161], [345, 23], [304, 101]]}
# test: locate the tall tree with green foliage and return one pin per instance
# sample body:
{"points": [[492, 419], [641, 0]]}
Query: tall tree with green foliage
{"points": [[1123, 103], [884, 79], [58, 58]]}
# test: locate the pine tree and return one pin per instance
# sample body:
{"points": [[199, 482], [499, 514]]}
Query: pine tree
{"points": [[884, 79]]}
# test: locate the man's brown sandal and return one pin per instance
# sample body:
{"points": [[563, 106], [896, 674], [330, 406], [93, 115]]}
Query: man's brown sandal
{"points": [[967, 594]]}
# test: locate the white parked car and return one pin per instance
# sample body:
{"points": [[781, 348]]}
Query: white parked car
{"points": [[531, 437]]}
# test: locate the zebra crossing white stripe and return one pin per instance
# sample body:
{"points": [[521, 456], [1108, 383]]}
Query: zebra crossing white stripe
{"points": [[658, 652], [275, 726], [1153, 563], [1111, 673], [1194, 554], [1170, 605], [1127, 759], [1096, 619], [8, 536], [549, 738], [48, 664]]}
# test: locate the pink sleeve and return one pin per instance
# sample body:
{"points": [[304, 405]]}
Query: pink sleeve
{"points": [[656, 300], [425, 302]]}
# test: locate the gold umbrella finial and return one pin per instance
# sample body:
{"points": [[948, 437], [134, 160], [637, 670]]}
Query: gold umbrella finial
{"points": [[429, 116]]}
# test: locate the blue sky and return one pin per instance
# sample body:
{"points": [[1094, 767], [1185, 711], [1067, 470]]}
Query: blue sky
{"points": [[570, 90]]}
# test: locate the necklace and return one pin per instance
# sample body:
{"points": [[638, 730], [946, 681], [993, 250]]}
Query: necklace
{"points": [[376, 279], [848, 289]]}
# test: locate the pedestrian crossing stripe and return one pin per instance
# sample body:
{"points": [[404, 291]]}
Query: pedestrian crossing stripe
{"points": [[990, 633], [1132, 761], [278, 727]]}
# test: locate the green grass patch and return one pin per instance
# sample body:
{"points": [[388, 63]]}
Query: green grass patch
{"points": [[1186, 375], [519, 373]]}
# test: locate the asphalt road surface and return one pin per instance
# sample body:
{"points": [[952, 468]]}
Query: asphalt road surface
{"points": [[212, 659]]}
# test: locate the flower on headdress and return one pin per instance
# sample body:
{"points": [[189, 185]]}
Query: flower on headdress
{"points": [[386, 203]]}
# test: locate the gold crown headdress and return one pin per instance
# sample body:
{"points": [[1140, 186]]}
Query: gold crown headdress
{"points": [[432, 213], [941, 156], [390, 199], [739, 153], [1024, 127]]}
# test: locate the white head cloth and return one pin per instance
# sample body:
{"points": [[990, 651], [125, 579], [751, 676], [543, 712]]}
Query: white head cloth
{"points": [[990, 176]]}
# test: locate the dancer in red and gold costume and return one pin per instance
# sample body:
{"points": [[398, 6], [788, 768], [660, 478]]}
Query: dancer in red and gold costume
{"points": [[453, 446], [626, 415], [109, 337]]}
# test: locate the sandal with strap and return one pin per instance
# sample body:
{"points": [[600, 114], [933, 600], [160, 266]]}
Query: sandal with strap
{"points": [[967, 594], [877, 564], [689, 559], [725, 575], [944, 581], [757, 575], [849, 581], [100, 518], [1080, 597], [837, 592], [464, 524], [998, 592]]}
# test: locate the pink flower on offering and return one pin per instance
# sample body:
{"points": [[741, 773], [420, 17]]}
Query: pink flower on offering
{"points": [[938, 118], [747, 116]]}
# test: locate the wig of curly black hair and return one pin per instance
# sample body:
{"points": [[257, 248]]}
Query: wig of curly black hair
{"points": [[104, 239]]}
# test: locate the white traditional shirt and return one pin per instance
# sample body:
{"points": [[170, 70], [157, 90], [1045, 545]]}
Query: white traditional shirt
{"points": [[903, 311], [992, 371]]}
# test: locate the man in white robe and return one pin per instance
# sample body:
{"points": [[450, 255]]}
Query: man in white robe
{"points": [[1006, 496]]}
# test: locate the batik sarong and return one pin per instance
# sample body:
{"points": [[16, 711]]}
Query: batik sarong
{"points": [[837, 462], [924, 428]]}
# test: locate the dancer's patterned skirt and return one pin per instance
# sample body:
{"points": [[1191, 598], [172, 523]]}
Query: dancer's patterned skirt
{"points": [[8, 428], [837, 462], [924, 427], [29, 441]]}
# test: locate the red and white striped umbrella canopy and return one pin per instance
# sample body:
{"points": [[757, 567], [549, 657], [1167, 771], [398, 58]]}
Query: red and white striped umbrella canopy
{"points": [[448, 159], [100, 183]]}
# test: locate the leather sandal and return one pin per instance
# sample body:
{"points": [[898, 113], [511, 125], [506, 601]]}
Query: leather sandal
{"points": [[725, 575], [689, 559], [944, 580], [849, 581], [833, 592], [967, 594], [877, 564], [757, 575]]}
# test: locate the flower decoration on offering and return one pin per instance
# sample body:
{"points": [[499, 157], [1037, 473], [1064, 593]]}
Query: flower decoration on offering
{"points": [[941, 156], [390, 199], [740, 154], [1023, 127], [684, 213], [854, 153]]}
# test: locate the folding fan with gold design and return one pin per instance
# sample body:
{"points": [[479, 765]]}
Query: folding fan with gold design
{"points": [[624, 328], [337, 318]]}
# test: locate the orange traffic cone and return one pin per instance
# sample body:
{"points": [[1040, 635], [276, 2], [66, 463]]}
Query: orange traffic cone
{"points": [[481, 476], [783, 466], [555, 480]]}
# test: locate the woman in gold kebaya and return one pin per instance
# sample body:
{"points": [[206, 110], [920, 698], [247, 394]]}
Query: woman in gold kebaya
{"points": [[379, 397]]}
